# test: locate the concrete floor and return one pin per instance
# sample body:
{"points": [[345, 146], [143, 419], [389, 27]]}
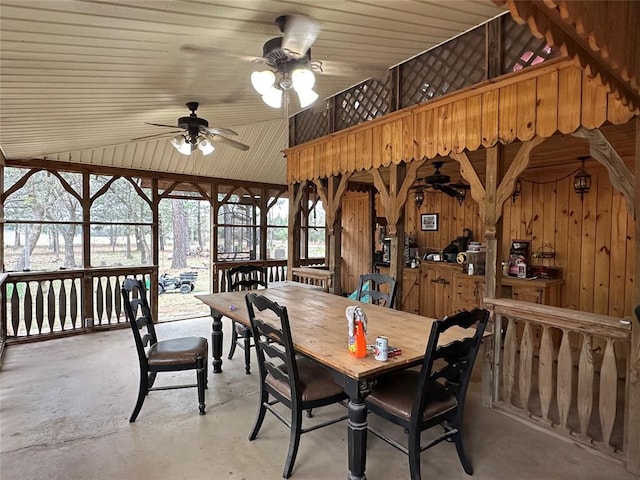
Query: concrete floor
{"points": [[64, 408]]}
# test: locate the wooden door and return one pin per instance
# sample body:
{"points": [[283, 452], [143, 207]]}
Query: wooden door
{"points": [[410, 290], [357, 238], [436, 287]]}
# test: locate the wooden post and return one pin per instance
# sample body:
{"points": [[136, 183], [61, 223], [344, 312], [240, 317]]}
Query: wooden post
{"points": [[213, 221], [264, 202], [87, 281], [293, 257], [155, 246], [632, 417], [2, 164]]}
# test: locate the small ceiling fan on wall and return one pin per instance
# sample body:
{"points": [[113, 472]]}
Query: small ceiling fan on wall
{"points": [[194, 132], [441, 182]]}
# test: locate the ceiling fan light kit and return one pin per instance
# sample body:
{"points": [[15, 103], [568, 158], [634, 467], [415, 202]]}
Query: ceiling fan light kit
{"points": [[290, 57]]}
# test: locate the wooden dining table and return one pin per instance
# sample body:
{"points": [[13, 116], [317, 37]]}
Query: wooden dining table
{"points": [[319, 330]]}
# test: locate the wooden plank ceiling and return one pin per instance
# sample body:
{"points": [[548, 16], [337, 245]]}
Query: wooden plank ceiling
{"points": [[79, 79]]}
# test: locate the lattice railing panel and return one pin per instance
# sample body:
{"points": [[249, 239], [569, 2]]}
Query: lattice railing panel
{"points": [[444, 69], [520, 49], [310, 124], [366, 101]]}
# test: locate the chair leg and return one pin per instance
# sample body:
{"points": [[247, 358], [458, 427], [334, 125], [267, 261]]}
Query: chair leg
{"points": [[466, 464], [262, 410], [202, 379], [294, 441], [234, 340], [246, 335], [143, 389], [414, 454], [206, 371]]}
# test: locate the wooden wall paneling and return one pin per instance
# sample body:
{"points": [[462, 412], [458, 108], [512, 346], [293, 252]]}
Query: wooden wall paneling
{"points": [[363, 147], [537, 217], [588, 253], [376, 146], [618, 257], [526, 211], [342, 153], [473, 128], [547, 98], [333, 149], [408, 135], [569, 99], [352, 159], [526, 114], [602, 247], [617, 113], [630, 62], [444, 132], [459, 126], [397, 141], [632, 250], [573, 272], [550, 203], [562, 242], [419, 148], [589, 97], [430, 132], [508, 112]]}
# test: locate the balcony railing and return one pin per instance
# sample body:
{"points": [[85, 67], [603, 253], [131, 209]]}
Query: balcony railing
{"points": [[37, 305], [563, 370]]}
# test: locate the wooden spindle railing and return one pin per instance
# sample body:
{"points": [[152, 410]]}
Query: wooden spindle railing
{"points": [[276, 272], [44, 304], [585, 353]]}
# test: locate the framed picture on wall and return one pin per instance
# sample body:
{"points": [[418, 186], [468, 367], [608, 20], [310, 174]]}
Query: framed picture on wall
{"points": [[429, 221]]}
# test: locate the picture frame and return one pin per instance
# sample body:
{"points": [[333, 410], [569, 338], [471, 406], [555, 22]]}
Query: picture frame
{"points": [[429, 222]]}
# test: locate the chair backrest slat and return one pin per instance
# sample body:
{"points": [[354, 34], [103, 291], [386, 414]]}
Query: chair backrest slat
{"points": [[273, 340], [375, 281], [450, 364], [134, 297], [247, 277]]}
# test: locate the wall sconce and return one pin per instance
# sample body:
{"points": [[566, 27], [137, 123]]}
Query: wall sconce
{"points": [[460, 190], [582, 180], [419, 197], [517, 189]]}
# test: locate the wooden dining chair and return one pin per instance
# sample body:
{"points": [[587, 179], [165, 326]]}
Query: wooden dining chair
{"points": [[298, 383], [186, 353], [385, 297], [435, 395], [244, 277]]}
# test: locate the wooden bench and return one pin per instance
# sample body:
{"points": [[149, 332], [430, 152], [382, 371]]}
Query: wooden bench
{"points": [[318, 277]]}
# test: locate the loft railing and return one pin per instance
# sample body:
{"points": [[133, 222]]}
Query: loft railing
{"points": [[563, 370], [38, 305]]}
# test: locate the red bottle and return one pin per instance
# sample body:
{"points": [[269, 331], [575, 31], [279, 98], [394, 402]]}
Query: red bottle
{"points": [[358, 341]]}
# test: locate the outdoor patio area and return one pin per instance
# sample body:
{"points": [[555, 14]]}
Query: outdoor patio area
{"points": [[65, 406]]}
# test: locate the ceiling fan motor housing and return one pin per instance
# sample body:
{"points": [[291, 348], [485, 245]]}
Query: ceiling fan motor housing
{"points": [[277, 58]]}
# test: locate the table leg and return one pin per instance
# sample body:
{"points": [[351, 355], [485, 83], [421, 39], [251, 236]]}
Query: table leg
{"points": [[357, 431], [216, 341]]}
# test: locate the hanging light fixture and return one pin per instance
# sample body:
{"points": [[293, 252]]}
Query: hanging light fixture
{"points": [[517, 190], [582, 180], [182, 144], [419, 197], [291, 69]]}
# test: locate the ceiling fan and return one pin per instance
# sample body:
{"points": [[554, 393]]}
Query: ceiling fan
{"points": [[289, 59], [195, 132], [441, 182]]}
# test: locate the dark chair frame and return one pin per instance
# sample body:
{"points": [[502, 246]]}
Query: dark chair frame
{"points": [[275, 344], [375, 281], [244, 277], [450, 366], [135, 289]]}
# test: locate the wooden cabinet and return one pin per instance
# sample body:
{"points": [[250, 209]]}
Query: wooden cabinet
{"points": [[469, 290], [410, 290], [542, 291], [436, 287]]}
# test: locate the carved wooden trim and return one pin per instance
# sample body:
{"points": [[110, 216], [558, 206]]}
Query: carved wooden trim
{"points": [[519, 164], [469, 173], [621, 177], [332, 201]]}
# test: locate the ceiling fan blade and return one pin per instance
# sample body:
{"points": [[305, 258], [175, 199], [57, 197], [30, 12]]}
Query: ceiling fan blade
{"points": [[157, 135], [300, 32], [452, 192], [219, 131], [162, 125], [231, 143]]}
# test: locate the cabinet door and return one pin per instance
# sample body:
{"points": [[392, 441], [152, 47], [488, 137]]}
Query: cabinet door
{"points": [[468, 293], [410, 291], [435, 293]]}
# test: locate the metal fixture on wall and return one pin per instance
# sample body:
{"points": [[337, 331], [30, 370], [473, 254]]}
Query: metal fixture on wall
{"points": [[582, 180], [419, 198], [517, 189]]}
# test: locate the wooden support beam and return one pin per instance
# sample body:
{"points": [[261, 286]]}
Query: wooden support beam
{"points": [[293, 259], [332, 197], [632, 414], [619, 174], [470, 175], [519, 164]]}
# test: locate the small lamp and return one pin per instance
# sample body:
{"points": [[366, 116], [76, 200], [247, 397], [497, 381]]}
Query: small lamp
{"points": [[419, 197], [206, 147], [462, 193], [582, 180], [182, 145]]}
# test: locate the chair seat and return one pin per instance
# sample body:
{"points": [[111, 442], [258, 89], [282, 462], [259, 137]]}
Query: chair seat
{"points": [[315, 381], [177, 351], [396, 394]]}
